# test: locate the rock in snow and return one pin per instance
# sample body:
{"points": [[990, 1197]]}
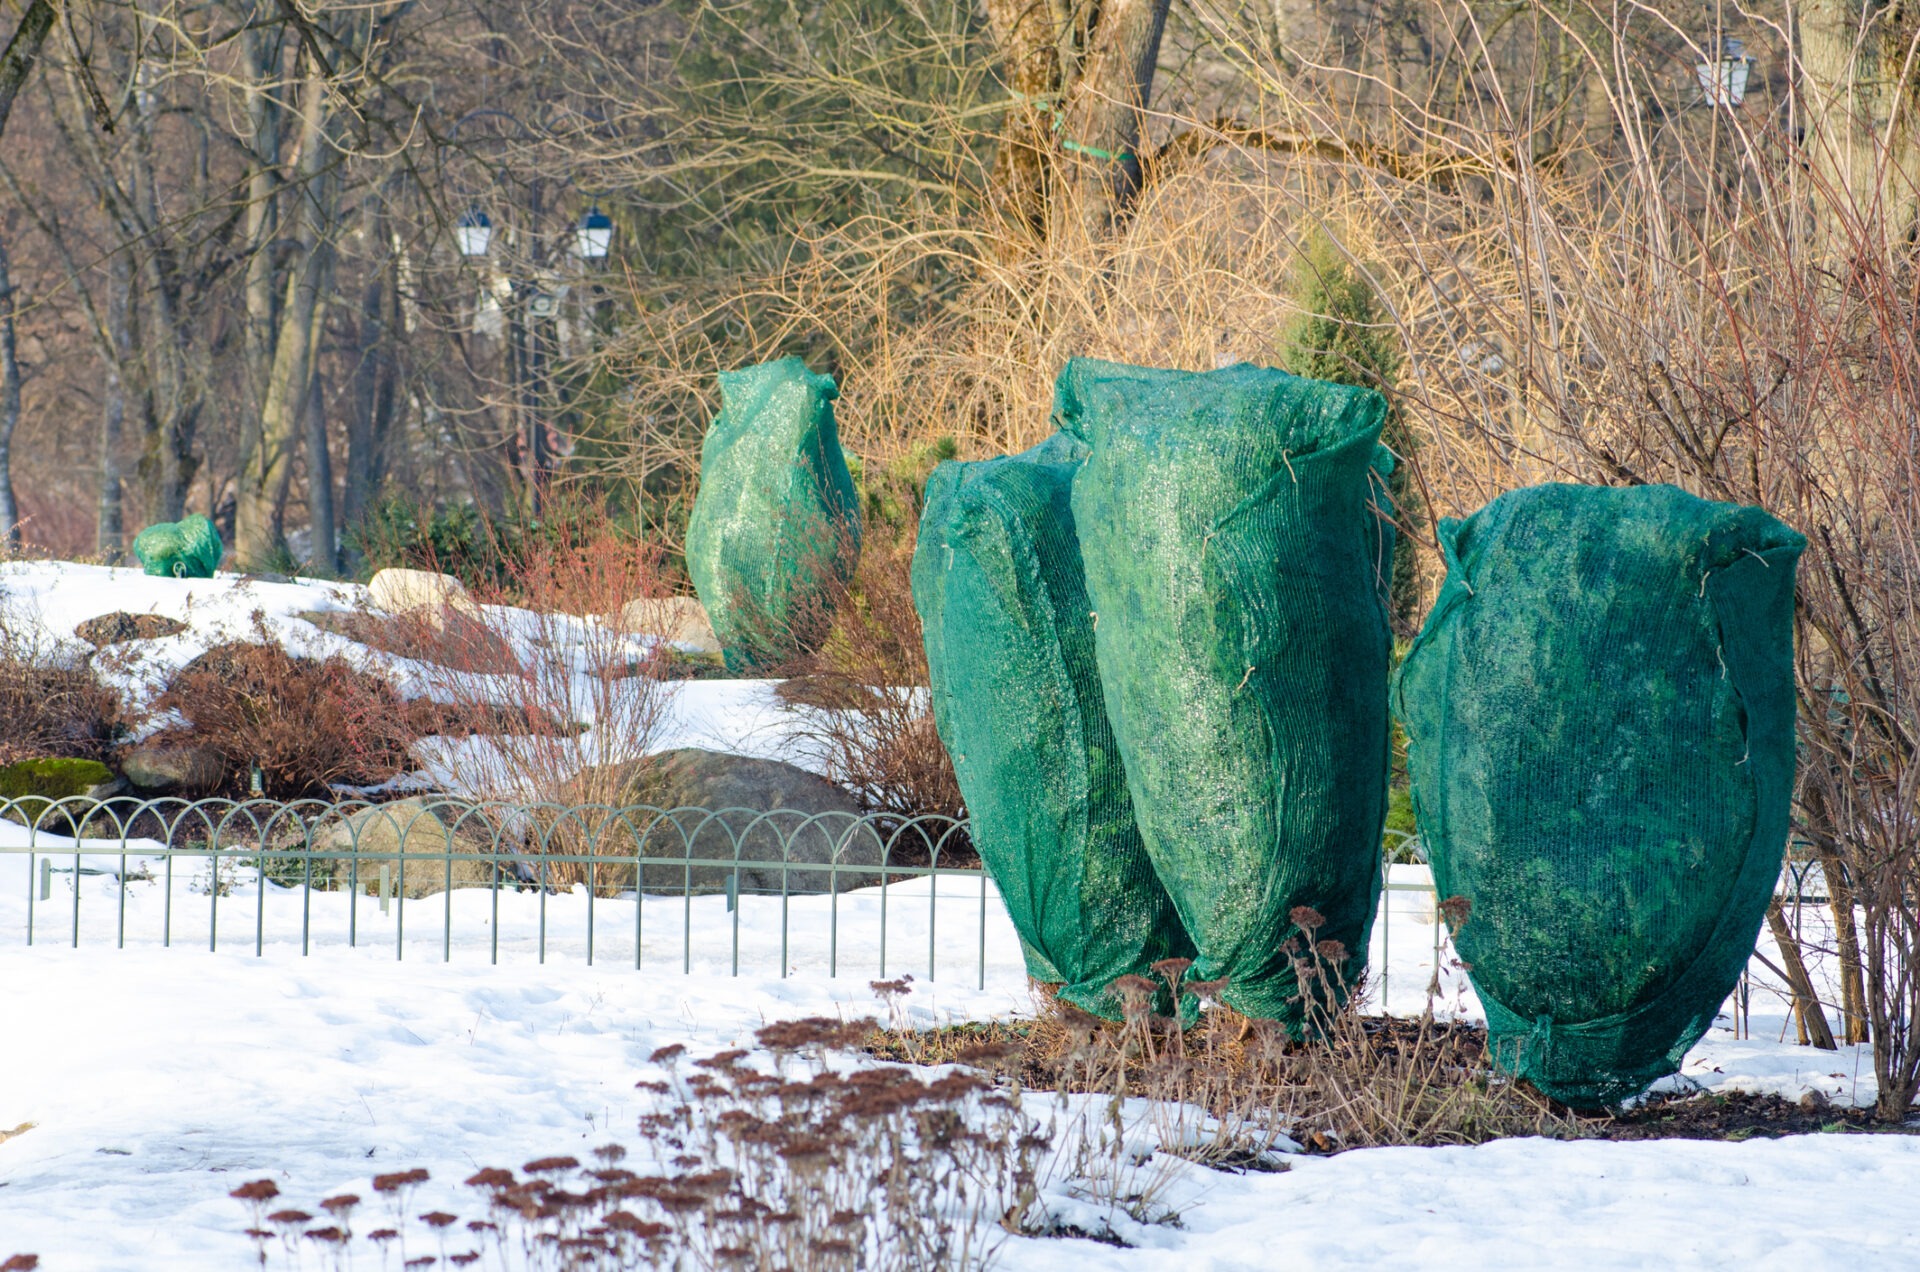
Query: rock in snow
{"points": [[679, 620], [120, 626], [397, 591], [788, 823], [412, 827]]}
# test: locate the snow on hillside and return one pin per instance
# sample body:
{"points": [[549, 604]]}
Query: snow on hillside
{"points": [[50, 598]]}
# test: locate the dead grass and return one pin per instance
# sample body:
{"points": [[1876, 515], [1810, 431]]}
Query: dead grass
{"points": [[1226, 1087]]}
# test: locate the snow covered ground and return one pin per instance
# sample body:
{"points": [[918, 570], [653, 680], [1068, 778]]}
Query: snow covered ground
{"points": [[150, 1079], [156, 1079]]}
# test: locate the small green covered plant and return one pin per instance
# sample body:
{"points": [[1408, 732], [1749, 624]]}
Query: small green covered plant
{"points": [[186, 549]]}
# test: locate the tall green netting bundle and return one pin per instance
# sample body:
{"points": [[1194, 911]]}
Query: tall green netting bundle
{"points": [[1016, 697], [1600, 719], [775, 531], [1235, 561]]}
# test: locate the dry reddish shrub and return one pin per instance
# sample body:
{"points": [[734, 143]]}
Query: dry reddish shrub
{"points": [[790, 1165], [54, 711], [595, 570], [426, 717], [867, 688], [573, 657], [307, 723], [49, 705]]}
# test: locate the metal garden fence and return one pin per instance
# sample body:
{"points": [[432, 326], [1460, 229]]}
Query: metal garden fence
{"points": [[167, 865], [725, 886]]}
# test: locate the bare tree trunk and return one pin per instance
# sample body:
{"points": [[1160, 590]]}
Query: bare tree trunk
{"points": [[1025, 31], [1106, 110], [1843, 903], [1846, 931], [16, 63], [9, 404], [265, 443], [171, 390], [110, 532], [267, 466], [1863, 137], [375, 386], [1806, 1007], [324, 560], [262, 56]]}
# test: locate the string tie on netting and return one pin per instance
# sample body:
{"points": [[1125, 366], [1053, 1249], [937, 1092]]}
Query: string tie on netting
{"points": [[1067, 143]]}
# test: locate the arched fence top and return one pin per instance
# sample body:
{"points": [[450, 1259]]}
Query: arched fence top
{"points": [[766, 884], [575, 834]]}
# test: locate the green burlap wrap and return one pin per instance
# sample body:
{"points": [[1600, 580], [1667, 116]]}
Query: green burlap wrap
{"points": [[775, 530], [1600, 719], [1016, 697], [1234, 558]]}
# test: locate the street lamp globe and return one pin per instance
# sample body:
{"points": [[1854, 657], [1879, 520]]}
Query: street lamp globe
{"points": [[593, 237], [472, 233]]}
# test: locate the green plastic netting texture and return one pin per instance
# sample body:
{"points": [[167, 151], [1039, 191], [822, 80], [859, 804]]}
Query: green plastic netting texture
{"points": [[186, 549], [1600, 718], [775, 531], [1237, 566], [1017, 700]]}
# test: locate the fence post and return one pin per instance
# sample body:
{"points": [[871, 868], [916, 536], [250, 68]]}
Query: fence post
{"points": [[46, 879], [386, 887]]}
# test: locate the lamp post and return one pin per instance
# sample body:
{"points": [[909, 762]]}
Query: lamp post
{"points": [[1723, 82], [533, 311]]}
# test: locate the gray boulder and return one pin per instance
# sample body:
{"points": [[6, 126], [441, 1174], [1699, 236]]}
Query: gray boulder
{"points": [[787, 829], [356, 847], [173, 769]]}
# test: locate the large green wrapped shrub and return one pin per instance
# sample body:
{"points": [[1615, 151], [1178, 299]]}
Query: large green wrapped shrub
{"points": [[775, 531], [186, 549], [1600, 719], [1235, 561], [1016, 697]]}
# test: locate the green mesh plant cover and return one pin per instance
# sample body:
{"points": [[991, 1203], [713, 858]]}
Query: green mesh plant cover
{"points": [[775, 531], [1016, 697], [186, 549], [1599, 712], [1236, 565]]}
